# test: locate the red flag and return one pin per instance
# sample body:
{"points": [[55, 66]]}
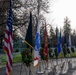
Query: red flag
{"points": [[45, 51], [8, 42]]}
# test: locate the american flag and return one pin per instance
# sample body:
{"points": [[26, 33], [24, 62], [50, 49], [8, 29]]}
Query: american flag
{"points": [[8, 42]]}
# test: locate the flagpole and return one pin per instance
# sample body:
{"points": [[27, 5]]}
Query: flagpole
{"points": [[57, 46], [38, 11], [70, 46], [46, 46], [38, 14], [21, 69], [8, 46], [60, 45]]}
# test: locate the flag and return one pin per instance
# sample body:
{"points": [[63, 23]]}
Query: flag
{"points": [[37, 46], [60, 38], [8, 42], [56, 44], [56, 34], [60, 43], [45, 43], [65, 41], [28, 38], [56, 37], [69, 43], [65, 46]]}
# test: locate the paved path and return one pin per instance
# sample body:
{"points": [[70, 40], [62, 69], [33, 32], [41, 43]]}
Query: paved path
{"points": [[54, 67]]}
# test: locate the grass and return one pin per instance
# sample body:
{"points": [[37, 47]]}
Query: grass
{"points": [[67, 55], [3, 60], [61, 55], [16, 58], [74, 54]]}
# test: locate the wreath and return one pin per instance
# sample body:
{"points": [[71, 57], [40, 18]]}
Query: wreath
{"points": [[51, 54], [64, 51], [68, 50], [72, 49], [27, 57], [43, 54], [56, 53]]}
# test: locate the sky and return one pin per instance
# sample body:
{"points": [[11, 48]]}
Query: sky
{"points": [[59, 9]]}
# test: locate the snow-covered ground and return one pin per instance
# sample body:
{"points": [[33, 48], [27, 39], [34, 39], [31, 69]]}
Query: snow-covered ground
{"points": [[66, 66]]}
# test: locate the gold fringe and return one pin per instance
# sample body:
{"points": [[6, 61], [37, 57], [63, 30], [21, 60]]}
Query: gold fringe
{"points": [[36, 65], [10, 73]]}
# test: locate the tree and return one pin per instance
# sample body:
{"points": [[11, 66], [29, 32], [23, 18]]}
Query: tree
{"points": [[73, 37], [21, 9], [4, 5], [52, 37], [67, 28]]}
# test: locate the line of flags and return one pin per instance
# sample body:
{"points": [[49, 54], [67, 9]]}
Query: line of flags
{"points": [[28, 40]]}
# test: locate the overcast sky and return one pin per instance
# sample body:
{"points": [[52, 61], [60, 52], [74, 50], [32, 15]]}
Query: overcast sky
{"points": [[59, 9]]}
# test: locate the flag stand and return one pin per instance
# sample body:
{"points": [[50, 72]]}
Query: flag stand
{"points": [[29, 70], [57, 61], [70, 65], [61, 61], [40, 70], [52, 62], [21, 69], [47, 67], [54, 70], [62, 67]]}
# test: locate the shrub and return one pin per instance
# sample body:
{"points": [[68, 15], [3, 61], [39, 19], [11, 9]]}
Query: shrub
{"points": [[56, 52], [68, 50], [43, 54], [51, 54]]}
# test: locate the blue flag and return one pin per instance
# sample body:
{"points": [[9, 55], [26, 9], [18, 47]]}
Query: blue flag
{"points": [[59, 43]]}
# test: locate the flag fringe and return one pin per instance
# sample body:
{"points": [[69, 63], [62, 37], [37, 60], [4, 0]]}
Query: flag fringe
{"points": [[36, 65], [10, 72]]}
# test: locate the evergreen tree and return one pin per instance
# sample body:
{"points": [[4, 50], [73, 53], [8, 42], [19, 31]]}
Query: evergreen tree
{"points": [[66, 29], [52, 37]]}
